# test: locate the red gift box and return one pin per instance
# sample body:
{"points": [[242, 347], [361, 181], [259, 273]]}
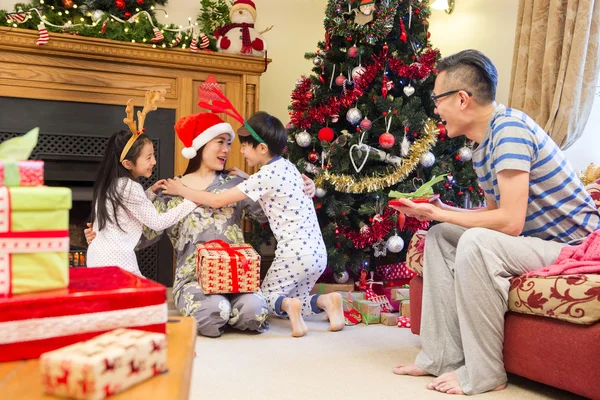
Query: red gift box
{"points": [[30, 173], [391, 272], [403, 322], [98, 300]]}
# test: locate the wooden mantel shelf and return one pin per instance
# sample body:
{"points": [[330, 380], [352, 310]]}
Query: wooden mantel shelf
{"points": [[102, 71]]}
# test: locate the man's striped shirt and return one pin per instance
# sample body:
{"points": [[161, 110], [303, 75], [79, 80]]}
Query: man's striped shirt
{"points": [[558, 207]]}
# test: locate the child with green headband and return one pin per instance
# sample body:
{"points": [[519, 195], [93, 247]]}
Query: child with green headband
{"points": [[300, 257]]}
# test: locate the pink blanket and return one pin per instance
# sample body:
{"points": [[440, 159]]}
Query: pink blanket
{"points": [[581, 259]]}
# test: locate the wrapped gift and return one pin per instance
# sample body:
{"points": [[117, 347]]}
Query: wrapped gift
{"points": [[370, 311], [389, 319], [400, 294], [391, 272], [104, 365], [98, 300], [389, 293], [225, 268], [22, 173], [325, 288], [34, 239], [403, 322], [405, 309]]}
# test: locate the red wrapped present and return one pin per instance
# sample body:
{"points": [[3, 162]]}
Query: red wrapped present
{"points": [[391, 272], [104, 365], [403, 322], [225, 268], [21, 173], [97, 300]]}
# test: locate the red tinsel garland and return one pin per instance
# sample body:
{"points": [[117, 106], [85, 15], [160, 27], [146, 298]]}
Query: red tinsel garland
{"points": [[374, 233], [304, 116], [413, 225]]}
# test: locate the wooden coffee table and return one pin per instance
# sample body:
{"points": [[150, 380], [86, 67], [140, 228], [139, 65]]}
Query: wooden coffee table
{"points": [[21, 379]]}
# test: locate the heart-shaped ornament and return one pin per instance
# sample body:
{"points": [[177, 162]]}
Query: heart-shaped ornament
{"points": [[360, 147], [409, 90]]}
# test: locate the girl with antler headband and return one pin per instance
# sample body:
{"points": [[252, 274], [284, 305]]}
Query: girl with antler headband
{"points": [[120, 207], [300, 257]]}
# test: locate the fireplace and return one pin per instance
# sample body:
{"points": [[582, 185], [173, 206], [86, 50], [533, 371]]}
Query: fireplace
{"points": [[72, 140]]}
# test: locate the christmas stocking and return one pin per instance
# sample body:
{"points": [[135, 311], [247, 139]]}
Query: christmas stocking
{"points": [[158, 36], [43, 39], [204, 42], [194, 44]]}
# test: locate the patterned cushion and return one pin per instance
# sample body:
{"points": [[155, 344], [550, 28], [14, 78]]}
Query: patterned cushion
{"points": [[573, 298]]}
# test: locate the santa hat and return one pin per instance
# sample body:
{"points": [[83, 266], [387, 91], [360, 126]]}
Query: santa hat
{"points": [[247, 5], [198, 129]]}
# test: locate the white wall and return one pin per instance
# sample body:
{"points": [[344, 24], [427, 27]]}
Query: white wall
{"points": [[486, 25]]}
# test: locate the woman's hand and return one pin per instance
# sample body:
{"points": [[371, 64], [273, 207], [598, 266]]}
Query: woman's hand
{"points": [[309, 186], [238, 172], [173, 187], [157, 185], [89, 233]]}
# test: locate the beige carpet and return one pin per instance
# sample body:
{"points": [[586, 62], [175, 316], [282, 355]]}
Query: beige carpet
{"points": [[352, 364]]}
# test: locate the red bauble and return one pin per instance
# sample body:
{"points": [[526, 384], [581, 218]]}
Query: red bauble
{"points": [[309, 95], [340, 80], [353, 51], [140, 2], [313, 156], [442, 129], [366, 124], [127, 14], [120, 4], [67, 3], [326, 134], [387, 140]]}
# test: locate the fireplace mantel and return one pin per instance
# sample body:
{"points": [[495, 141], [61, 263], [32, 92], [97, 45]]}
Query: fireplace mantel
{"points": [[99, 71]]}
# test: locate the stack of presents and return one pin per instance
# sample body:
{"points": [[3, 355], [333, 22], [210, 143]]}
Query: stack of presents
{"points": [[96, 331], [381, 299]]}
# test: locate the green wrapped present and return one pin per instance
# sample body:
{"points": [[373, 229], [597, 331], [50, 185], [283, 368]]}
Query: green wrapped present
{"points": [[370, 311], [34, 239]]}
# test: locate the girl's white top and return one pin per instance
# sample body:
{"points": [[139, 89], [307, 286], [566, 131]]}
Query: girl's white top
{"points": [[113, 246]]}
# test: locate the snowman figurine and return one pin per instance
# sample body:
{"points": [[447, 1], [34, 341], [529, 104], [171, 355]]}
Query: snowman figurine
{"points": [[240, 37]]}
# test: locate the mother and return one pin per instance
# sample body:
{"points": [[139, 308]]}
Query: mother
{"points": [[211, 138]]}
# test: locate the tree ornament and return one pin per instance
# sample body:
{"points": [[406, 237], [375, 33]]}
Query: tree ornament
{"points": [[67, 3], [320, 192], [97, 15], [158, 36], [404, 146], [317, 61], [442, 129], [327, 134], [427, 159], [366, 124], [384, 86], [120, 4], [43, 35], [342, 277], [357, 72], [303, 139], [140, 2], [387, 140], [340, 80], [353, 51], [395, 244], [465, 154], [335, 118], [380, 248], [409, 90], [354, 116], [308, 95], [313, 156]]}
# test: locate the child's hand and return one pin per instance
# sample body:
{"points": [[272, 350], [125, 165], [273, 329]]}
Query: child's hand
{"points": [[173, 187], [89, 233], [157, 185], [238, 172], [309, 186]]}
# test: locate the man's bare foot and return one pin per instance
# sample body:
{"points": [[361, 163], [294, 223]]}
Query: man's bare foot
{"points": [[293, 308], [448, 383], [332, 304], [410, 369]]}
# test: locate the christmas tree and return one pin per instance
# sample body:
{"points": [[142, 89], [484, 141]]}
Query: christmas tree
{"points": [[363, 124]]}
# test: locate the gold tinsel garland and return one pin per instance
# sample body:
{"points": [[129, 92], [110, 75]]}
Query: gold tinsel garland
{"points": [[349, 184]]}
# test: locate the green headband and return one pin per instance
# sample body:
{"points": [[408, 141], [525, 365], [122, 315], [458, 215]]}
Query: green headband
{"points": [[254, 134]]}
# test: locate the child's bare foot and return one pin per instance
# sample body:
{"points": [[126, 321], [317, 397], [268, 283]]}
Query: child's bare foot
{"points": [[410, 369], [332, 304], [293, 308], [448, 383]]}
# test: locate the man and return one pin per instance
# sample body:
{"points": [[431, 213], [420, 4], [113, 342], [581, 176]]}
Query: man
{"points": [[536, 205]]}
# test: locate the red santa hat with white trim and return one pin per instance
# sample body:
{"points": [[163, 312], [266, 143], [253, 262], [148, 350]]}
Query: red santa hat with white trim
{"points": [[198, 129], [247, 5]]}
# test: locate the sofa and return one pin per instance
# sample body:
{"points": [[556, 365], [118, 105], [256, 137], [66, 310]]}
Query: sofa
{"points": [[551, 332]]}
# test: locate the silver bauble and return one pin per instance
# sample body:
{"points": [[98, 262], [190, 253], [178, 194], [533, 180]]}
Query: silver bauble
{"points": [[427, 159], [465, 154], [357, 72], [97, 15], [303, 139], [342, 277], [354, 116], [395, 244], [317, 61], [310, 168], [320, 192]]}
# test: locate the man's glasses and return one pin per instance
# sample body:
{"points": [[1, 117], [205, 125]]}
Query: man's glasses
{"points": [[435, 98]]}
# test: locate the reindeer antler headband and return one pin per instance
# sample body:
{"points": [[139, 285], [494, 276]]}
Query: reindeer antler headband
{"points": [[152, 96], [212, 98]]}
